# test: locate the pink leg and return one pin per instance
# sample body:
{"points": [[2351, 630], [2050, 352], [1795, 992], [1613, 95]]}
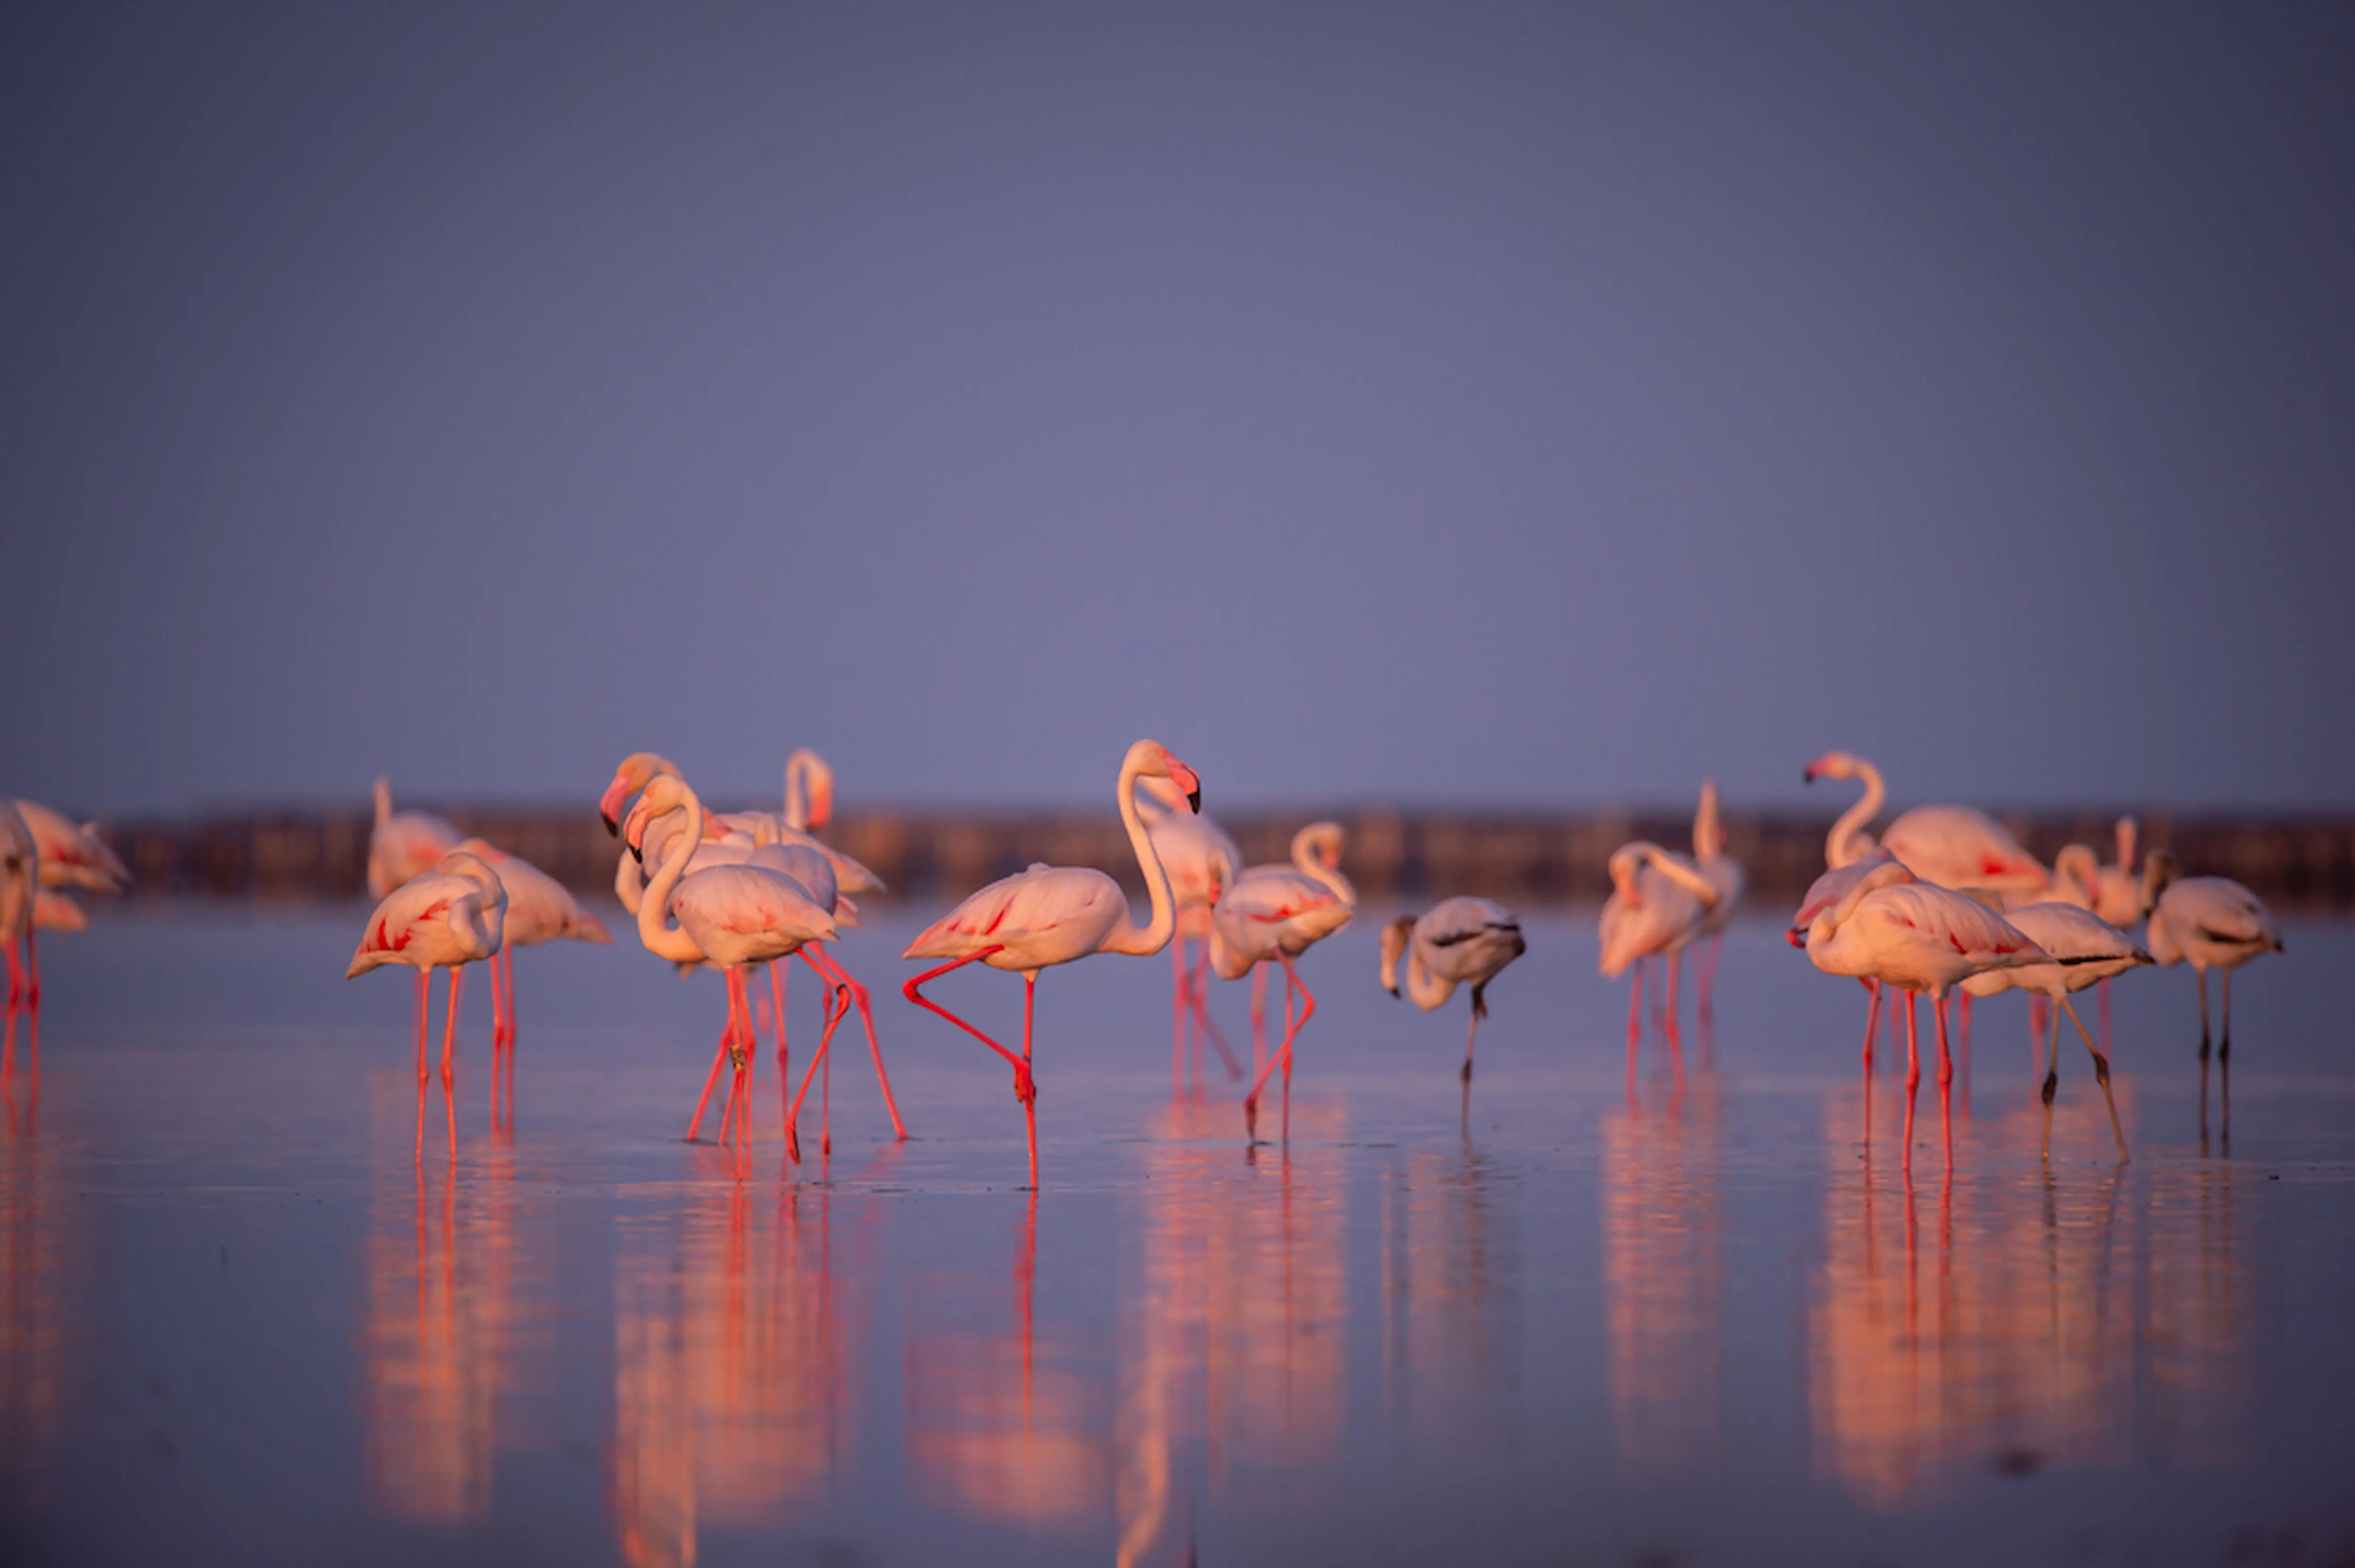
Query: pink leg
{"points": [[832, 966], [836, 1010], [33, 977], [2105, 988], [1259, 1015], [1282, 1056], [727, 1036], [1945, 1091], [1676, 1045], [1025, 1088], [1179, 1015], [1201, 985], [1635, 1022], [1871, 1022], [1912, 1076], [449, 1024], [424, 1004], [1945, 1058]]}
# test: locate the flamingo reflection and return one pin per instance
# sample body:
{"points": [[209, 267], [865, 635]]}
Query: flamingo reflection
{"points": [[2022, 1319], [38, 1269], [733, 1345], [1450, 1294], [1664, 1279]]}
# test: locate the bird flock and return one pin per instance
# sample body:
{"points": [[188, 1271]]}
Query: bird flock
{"points": [[1944, 902]]}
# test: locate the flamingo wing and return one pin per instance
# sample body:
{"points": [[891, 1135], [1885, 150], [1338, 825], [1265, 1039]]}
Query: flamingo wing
{"points": [[415, 911], [2220, 910], [1956, 846], [1038, 902]]}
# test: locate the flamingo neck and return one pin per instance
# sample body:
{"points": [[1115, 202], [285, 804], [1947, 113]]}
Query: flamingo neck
{"points": [[2125, 830], [383, 802], [663, 939], [1839, 850], [1708, 837], [1879, 877], [1312, 864], [1427, 990], [1151, 937]]}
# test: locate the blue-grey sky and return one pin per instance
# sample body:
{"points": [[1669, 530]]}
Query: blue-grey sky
{"points": [[1512, 404]]}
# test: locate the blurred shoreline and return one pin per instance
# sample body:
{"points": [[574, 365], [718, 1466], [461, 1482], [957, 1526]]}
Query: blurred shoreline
{"points": [[1519, 856]]}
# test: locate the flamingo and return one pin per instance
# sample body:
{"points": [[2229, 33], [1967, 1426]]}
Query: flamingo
{"points": [[1724, 873], [1657, 906], [2212, 921], [20, 889], [1056, 915], [404, 844], [824, 873], [730, 916], [1202, 860], [2118, 900], [1278, 913], [539, 910], [453, 915], [72, 856], [1898, 930], [1457, 942], [1825, 892], [1315, 854], [2088, 948], [1954, 846]]}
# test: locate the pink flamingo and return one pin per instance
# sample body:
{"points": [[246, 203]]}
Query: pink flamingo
{"points": [[71, 855], [1823, 893], [2118, 900], [2086, 948], [1724, 873], [1891, 927], [20, 891], [729, 915], [403, 844], [1315, 854], [1657, 906], [451, 916], [1278, 914], [1457, 942], [1201, 861], [1056, 915], [539, 909]]}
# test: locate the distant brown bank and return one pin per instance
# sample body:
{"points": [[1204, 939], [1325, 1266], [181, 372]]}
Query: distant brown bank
{"points": [[1525, 857]]}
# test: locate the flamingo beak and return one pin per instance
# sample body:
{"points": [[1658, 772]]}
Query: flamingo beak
{"points": [[1190, 781], [610, 803], [635, 833], [1795, 937]]}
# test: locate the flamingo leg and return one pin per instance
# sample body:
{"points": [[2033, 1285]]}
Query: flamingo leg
{"points": [[834, 965], [1201, 993], [2100, 1072], [1676, 1043], [1178, 1016], [1472, 1035], [2105, 988], [2203, 1012], [449, 1024], [727, 1037], [33, 979], [1025, 1088], [2224, 1045], [1945, 1056], [424, 1005], [1282, 1057], [1871, 1022], [1259, 1013], [1913, 1074], [838, 1010], [1635, 1024], [2051, 1075]]}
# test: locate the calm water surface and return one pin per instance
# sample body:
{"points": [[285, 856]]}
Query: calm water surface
{"points": [[1712, 1326]]}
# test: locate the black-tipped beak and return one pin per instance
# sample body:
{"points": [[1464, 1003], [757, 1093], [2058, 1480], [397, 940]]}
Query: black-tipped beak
{"points": [[612, 828], [1806, 775], [637, 854], [1194, 798], [1393, 991]]}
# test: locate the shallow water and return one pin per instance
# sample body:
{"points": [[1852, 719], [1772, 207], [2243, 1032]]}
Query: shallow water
{"points": [[236, 1324]]}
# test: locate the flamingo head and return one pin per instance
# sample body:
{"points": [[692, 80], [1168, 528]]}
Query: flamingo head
{"points": [[821, 800], [667, 792], [637, 771], [1626, 862], [1830, 765], [474, 867], [1151, 760]]}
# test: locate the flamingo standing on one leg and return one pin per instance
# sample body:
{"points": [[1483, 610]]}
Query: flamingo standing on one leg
{"points": [[403, 844], [1724, 873], [1919, 938], [2088, 948], [1457, 942], [1277, 914], [447, 918], [1201, 861], [730, 915], [1657, 906], [1054, 914], [2212, 921]]}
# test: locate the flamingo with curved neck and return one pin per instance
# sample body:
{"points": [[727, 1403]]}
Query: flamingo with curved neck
{"points": [[1055, 914], [1848, 841]]}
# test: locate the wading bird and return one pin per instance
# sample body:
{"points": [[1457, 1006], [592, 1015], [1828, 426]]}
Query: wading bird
{"points": [[1724, 873], [1201, 861], [1657, 906], [2087, 949], [1457, 942], [1918, 937], [20, 890], [451, 915], [1275, 913], [71, 855], [2210, 922], [1954, 846], [403, 844], [1054, 914], [729, 915]]}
